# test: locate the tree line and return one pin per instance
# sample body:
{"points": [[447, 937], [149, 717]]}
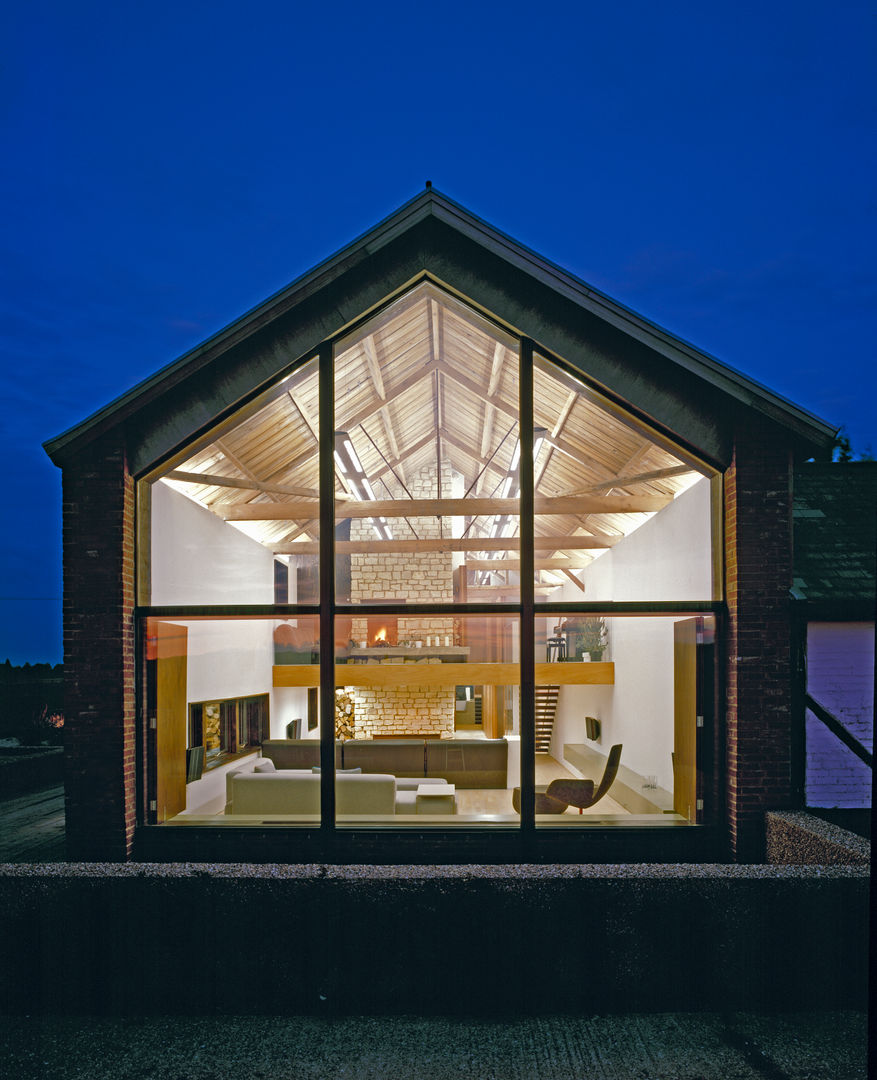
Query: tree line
{"points": [[32, 703]]}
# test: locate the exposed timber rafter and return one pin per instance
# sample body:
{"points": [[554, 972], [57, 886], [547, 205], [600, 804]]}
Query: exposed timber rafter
{"points": [[495, 565], [582, 504], [639, 478], [212, 480], [512, 543]]}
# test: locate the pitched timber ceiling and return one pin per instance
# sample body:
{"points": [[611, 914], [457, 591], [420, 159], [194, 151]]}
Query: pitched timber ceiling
{"points": [[429, 387]]}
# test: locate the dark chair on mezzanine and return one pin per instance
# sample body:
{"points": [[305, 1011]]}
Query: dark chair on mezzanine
{"points": [[563, 793]]}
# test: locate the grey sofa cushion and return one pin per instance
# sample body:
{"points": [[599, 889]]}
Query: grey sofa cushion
{"points": [[401, 757], [296, 753], [469, 763]]}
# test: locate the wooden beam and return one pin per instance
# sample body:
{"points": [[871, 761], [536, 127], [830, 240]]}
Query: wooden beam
{"points": [[559, 425], [641, 478], [397, 463], [515, 564], [574, 579], [350, 422], [212, 480], [499, 593], [496, 368], [487, 430], [600, 673], [236, 461], [565, 505], [512, 543], [472, 387], [374, 367], [471, 452]]}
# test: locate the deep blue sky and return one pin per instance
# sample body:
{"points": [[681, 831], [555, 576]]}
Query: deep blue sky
{"points": [[170, 165]]}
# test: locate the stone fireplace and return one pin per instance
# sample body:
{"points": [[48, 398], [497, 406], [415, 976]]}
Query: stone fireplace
{"points": [[402, 577]]}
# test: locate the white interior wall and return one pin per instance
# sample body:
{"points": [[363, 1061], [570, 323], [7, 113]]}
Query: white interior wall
{"points": [[291, 703], [667, 558], [197, 558], [637, 711]]}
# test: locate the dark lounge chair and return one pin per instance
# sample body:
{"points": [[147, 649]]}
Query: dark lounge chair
{"points": [[562, 793]]}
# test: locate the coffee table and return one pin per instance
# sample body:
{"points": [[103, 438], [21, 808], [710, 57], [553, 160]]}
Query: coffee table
{"points": [[436, 799]]}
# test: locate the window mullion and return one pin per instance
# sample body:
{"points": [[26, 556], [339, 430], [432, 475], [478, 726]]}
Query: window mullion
{"points": [[327, 584], [527, 579]]}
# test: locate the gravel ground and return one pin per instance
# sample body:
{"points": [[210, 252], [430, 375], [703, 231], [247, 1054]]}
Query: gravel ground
{"points": [[661, 1046]]}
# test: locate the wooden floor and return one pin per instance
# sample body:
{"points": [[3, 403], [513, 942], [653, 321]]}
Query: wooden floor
{"points": [[32, 827]]}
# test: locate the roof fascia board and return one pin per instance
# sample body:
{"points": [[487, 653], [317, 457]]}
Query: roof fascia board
{"points": [[748, 391]]}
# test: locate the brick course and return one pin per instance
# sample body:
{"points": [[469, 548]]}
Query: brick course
{"points": [[99, 662], [758, 671]]}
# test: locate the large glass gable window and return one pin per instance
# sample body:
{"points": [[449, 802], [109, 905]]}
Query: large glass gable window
{"points": [[491, 628]]}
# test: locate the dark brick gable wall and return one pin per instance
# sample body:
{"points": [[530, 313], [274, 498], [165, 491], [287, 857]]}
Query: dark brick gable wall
{"points": [[99, 677], [758, 675]]}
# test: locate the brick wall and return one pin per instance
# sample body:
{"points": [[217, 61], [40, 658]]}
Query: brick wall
{"points": [[99, 662], [758, 673], [840, 676]]}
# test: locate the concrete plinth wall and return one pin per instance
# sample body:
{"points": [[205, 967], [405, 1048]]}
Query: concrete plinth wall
{"points": [[801, 838], [284, 940]]}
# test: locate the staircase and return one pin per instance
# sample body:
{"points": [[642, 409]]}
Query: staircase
{"points": [[546, 707]]}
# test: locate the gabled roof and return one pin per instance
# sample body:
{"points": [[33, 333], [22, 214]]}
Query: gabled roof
{"points": [[835, 522], [432, 207]]}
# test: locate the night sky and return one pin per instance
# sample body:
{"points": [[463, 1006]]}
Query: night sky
{"points": [[170, 165]]}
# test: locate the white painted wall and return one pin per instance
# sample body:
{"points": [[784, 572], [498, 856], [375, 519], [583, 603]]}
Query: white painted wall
{"points": [[638, 710], [290, 703], [669, 557], [840, 676], [197, 558], [229, 658]]}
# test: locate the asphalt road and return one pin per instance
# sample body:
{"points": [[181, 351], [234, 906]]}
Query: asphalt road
{"points": [[660, 1046]]}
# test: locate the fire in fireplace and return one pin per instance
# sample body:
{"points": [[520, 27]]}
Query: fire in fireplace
{"points": [[382, 630]]}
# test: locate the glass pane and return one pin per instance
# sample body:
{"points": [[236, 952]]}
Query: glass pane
{"points": [[426, 449], [620, 516], [235, 521], [617, 707], [235, 701], [428, 724]]}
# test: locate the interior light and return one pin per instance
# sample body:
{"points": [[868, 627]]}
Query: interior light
{"points": [[357, 465], [516, 453], [340, 463]]}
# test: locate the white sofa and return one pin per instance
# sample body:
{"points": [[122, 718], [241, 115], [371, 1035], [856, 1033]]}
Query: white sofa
{"points": [[297, 791]]}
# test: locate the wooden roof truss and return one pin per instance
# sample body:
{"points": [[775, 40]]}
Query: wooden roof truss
{"points": [[430, 383]]}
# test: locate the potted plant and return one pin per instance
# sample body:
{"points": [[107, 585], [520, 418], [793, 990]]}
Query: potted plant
{"points": [[593, 637]]}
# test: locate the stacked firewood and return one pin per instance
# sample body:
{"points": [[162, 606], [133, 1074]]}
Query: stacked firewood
{"points": [[344, 721]]}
